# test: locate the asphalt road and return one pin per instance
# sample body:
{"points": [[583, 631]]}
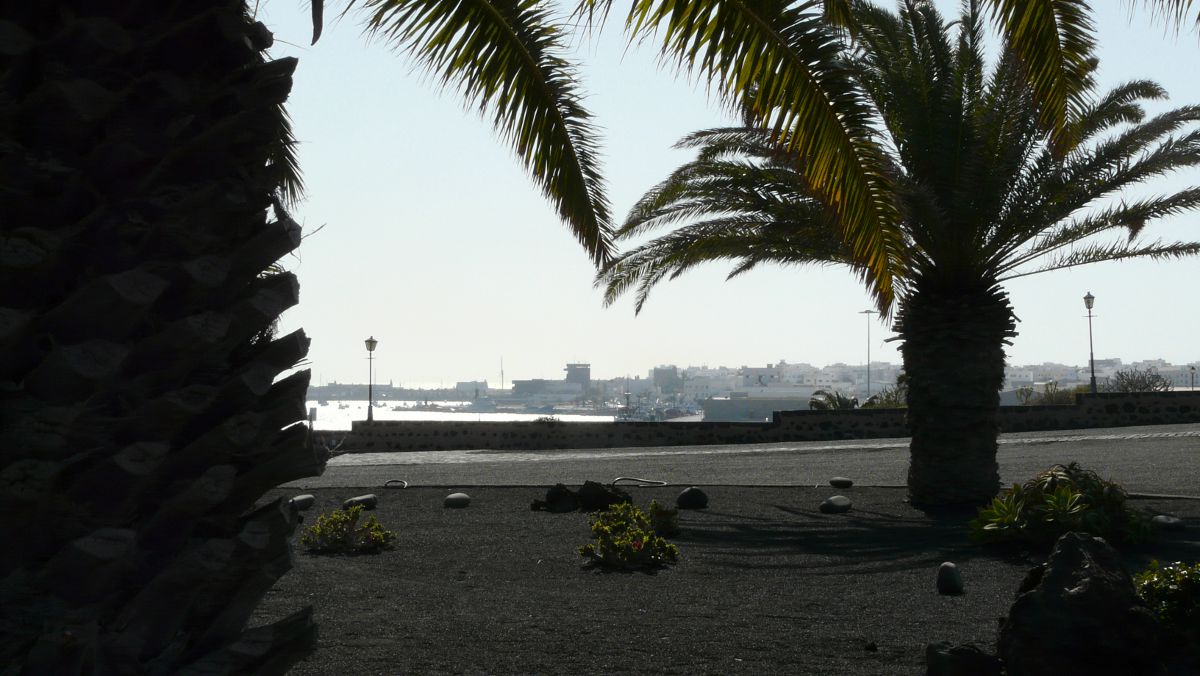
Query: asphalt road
{"points": [[1158, 460]]}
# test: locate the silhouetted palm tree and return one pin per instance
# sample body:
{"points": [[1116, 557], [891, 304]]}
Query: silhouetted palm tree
{"points": [[984, 196], [825, 400]]}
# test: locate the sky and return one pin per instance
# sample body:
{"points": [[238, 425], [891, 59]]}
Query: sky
{"points": [[423, 231]]}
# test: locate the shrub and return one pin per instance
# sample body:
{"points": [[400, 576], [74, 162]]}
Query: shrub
{"points": [[1060, 499], [1173, 593], [625, 538], [340, 533]]}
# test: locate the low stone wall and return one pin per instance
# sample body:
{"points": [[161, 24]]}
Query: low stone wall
{"points": [[1089, 411]]}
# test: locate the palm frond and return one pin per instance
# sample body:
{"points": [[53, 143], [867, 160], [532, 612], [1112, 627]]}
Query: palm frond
{"points": [[1053, 39], [1099, 253], [783, 63], [1131, 217], [1173, 12], [749, 239], [503, 56]]}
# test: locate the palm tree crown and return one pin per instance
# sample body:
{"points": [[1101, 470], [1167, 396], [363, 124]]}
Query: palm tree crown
{"points": [[982, 192]]}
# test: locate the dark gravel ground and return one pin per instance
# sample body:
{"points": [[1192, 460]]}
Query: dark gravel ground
{"points": [[765, 584]]}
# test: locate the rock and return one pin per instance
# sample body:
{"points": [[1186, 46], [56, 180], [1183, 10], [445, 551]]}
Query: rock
{"points": [[301, 503], [840, 482], [692, 498], [367, 501], [559, 499], [594, 497], [457, 500], [1168, 522], [968, 659], [1079, 614], [949, 579], [835, 505]]}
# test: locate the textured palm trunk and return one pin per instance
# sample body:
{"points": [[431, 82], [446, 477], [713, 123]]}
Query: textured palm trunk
{"points": [[954, 335], [141, 411]]}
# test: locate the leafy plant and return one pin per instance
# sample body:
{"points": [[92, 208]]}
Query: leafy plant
{"points": [[1173, 593], [827, 400], [1137, 380], [626, 538], [1060, 499], [340, 533]]}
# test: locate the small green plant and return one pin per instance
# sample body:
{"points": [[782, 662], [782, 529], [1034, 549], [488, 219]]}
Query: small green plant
{"points": [[1060, 499], [1173, 593], [625, 538], [340, 533]]}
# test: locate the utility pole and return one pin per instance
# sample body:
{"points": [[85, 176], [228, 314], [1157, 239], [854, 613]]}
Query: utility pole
{"points": [[868, 313]]}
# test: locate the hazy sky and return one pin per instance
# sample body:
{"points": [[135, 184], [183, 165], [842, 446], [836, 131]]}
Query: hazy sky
{"points": [[437, 244]]}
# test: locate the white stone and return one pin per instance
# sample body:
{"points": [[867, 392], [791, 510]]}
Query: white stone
{"points": [[301, 503], [835, 504], [367, 501], [457, 500], [1168, 522]]}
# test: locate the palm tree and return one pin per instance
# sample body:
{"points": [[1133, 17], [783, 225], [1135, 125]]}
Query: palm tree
{"points": [[985, 196], [825, 400], [145, 404]]}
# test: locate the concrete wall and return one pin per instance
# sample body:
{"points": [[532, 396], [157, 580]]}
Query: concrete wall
{"points": [[1098, 410]]}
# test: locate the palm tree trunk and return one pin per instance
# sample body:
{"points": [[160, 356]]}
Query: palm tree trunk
{"points": [[953, 349], [141, 411]]}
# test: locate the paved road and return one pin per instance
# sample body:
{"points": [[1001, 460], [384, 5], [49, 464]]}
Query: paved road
{"points": [[1161, 459]]}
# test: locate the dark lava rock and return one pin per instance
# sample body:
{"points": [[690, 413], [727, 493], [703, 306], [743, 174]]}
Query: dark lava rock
{"points": [[591, 497], [949, 579], [594, 496], [692, 498], [835, 505], [1079, 614], [559, 499], [968, 659]]}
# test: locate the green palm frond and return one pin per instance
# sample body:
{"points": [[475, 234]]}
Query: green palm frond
{"points": [[1174, 12], [781, 62], [503, 55], [1051, 190], [1053, 40], [745, 239], [1132, 218], [1099, 253]]}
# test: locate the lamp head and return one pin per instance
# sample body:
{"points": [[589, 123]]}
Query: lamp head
{"points": [[371, 343], [1089, 300]]}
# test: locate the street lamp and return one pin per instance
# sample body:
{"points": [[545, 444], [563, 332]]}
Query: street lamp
{"points": [[868, 313], [1193, 374], [1088, 301], [371, 343]]}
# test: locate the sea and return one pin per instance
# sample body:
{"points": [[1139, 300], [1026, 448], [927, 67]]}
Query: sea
{"points": [[337, 415]]}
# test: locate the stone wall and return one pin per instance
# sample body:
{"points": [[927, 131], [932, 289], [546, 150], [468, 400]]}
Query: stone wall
{"points": [[1089, 411]]}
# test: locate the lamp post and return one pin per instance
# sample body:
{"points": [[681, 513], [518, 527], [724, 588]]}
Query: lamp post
{"points": [[1088, 301], [868, 313], [1193, 374], [371, 343]]}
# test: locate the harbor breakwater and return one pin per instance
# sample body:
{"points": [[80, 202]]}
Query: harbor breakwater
{"points": [[1089, 411]]}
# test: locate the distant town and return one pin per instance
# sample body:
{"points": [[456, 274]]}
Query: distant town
{"points": [[725, 393]]}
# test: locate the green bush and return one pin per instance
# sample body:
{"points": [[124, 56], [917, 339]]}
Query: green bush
{"points": [[625, 538], [340, 533], [1060, 499], [1173, 593]]}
